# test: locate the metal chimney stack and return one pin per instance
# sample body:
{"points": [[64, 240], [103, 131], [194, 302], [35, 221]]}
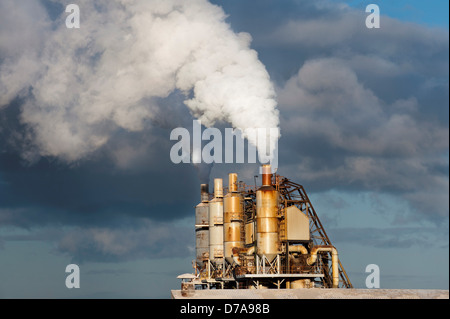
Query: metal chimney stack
{"points": [[216, 224], [233, 219], [202, 227]]}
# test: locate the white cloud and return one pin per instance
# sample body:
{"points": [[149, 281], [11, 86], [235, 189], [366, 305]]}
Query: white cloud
{"points": [[365, 142], [326, 99], [88, 82]]}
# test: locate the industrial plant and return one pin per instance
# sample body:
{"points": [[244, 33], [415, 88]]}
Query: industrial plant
{"points": [[266, 237]]}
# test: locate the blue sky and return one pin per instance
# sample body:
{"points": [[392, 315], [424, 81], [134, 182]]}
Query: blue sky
{"points": [[363, 115]]}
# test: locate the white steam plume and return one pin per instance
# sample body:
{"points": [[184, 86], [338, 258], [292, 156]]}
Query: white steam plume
{"points": [[81, 85]]}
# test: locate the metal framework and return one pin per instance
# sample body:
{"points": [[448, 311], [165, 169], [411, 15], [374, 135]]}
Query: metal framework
{"points": [[256, 270], [294, 194]]}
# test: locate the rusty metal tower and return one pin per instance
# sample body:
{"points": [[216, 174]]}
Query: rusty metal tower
{"points": [[294, 194]]}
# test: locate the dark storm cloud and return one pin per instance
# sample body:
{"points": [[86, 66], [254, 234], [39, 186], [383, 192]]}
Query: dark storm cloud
{"points": [[50, 193], [143, 239], [132, 175], [361, 109], [148, 240], [112, 206]]}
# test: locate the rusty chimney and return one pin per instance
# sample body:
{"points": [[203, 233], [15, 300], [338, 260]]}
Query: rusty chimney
{"points": [[266, 175], [204, 193]]}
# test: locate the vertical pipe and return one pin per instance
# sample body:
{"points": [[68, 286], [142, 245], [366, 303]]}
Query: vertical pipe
{"points": [[266, 175], [204, 193], [334, 261], [218, 188], [232, 183]]}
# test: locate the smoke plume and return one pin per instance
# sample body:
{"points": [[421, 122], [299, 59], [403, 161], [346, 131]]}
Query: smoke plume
{"points": [[80, 86]]}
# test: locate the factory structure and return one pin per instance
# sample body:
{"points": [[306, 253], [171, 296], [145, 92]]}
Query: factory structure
{"points": [[261, 237]]}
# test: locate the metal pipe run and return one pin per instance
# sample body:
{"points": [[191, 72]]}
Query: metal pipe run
{"points": [[298, 249], [334, 260]]}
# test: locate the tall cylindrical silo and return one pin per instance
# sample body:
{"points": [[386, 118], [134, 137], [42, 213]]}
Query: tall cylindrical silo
{"points": [[267, 240], [233, 211], [216, 224], [202, 227]]}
